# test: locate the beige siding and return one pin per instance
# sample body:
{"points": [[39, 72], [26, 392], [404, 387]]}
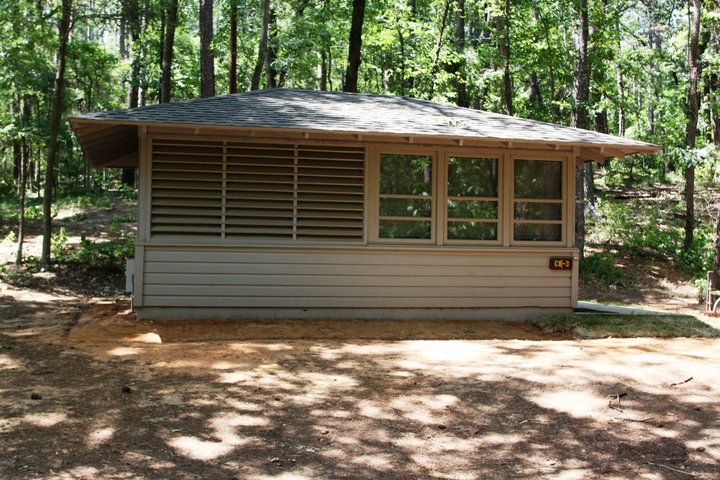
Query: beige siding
{"points": [[314, 253], [347, 278]]}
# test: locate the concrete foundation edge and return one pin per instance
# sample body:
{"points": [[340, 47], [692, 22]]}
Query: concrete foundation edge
{"points": [[512, 314]]}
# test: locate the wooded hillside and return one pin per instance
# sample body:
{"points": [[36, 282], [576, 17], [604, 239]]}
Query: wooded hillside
{"points": [[648, 70]]}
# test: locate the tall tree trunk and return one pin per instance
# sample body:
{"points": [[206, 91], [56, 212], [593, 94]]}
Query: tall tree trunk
{"points": [[692, 108], [271, 74], [24, 162], [534, 88], [460, 79], [601, 125], [21, 203], [621, 101], [133, 16], [323, 70], [355, 47], [262, 47], [207, 60], [438, 46], [502, 25], [581, 93], [168, 51], [715, 106], [122, 39], [232, 74], [56, 112], [551, 69]]}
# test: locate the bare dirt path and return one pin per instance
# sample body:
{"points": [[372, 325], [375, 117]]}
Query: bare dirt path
{"points": [[126, 400]]}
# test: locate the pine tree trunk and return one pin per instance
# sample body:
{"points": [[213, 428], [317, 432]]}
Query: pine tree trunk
{"points": [[24, 161], [232, 74], [534, 88], [323, 70], [262, 48], [621, 102], [168, 51], [460, 79], [131, 15], [502, 25], [581, 93], [355, 47], [271, 74], [438, 46], [207, 60], [56, 112], [692, 108]]}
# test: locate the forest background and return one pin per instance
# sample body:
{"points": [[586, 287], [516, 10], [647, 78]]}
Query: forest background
{"points": [[648, 70]]}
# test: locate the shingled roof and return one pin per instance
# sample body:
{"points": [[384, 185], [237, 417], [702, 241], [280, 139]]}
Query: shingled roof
{"points": [[308, 111]]}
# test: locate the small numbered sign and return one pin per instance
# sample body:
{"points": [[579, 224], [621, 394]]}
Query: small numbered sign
{"points": [[561, 263]]}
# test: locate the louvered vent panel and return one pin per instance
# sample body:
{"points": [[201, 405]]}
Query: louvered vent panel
{"points": [[187, 181], [330, 193], [259, 191], [215, 190]]}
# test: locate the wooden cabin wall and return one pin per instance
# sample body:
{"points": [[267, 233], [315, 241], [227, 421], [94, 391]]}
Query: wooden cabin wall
{"points": [[204, 272]]}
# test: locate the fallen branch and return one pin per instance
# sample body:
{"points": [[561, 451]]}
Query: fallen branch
{"points": [[671, 468], [680, 383]]}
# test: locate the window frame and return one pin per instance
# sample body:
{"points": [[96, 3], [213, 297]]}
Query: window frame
{"points": [[565, 166], [373, 200], [473, 153]]}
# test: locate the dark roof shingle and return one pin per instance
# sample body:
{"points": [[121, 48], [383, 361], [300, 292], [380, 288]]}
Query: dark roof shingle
{"points": [[309, 110], [355, 113]]}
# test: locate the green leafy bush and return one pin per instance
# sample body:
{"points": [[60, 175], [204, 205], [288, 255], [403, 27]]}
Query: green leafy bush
{"points": [[652, 228], [109, 255], [600, 267]]}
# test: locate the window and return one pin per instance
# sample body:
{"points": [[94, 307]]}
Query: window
{"points": [[406, 196], [538, 200], [472, 198]]}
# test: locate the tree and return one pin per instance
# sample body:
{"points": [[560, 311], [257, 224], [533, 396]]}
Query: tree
{"points": [[207, 59], [354, 47], [64, 28], [168, 51], [232, 73], [692, 108], [502, 25], [458, 67], [581, 94], [262, 47]]}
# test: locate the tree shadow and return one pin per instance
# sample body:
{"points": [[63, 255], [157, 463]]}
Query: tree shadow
{"points": [[356, 410]]}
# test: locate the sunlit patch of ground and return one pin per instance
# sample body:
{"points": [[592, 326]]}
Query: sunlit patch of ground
{"points": [[127, 399]]}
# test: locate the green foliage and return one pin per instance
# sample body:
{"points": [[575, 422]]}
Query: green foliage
{"points": [[58, 243], [106, 255], [600, 267], [626, 326], [651, 229]]}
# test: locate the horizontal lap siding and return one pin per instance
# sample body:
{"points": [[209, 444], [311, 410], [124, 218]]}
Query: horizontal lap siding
{"points": [[177, 277]]}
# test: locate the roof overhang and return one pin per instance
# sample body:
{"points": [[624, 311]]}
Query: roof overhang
{"points": [[110, 143], [107, 144]]}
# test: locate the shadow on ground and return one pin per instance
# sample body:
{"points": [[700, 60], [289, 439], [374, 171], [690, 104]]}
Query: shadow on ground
{"points": [[356, 409]]}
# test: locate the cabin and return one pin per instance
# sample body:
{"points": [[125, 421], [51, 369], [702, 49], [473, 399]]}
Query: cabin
{"points": [[290, 203]]}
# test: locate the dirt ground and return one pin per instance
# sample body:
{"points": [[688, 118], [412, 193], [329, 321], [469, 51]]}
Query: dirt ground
{"points": [[88, 392]]}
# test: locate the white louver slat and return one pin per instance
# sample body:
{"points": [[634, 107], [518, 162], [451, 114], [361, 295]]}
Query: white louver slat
{"points": [[231, 190]]}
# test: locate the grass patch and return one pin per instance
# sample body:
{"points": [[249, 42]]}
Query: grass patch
{"points": [[602, 325]]}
